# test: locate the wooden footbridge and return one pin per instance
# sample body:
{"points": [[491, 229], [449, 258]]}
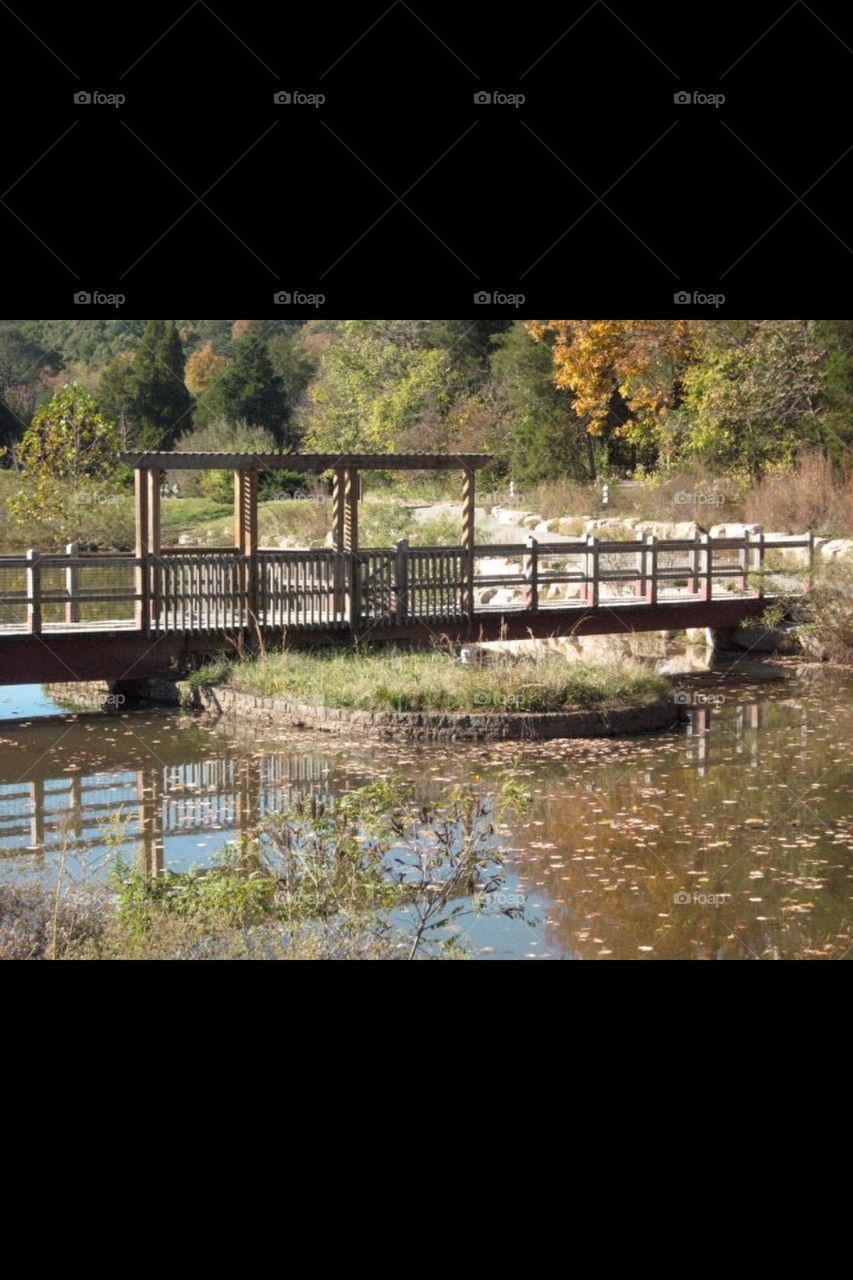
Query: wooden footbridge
{"points": [[81, 616]]}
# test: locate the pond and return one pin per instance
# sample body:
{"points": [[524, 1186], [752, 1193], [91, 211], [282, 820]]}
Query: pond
{"points": [[729, 839]]}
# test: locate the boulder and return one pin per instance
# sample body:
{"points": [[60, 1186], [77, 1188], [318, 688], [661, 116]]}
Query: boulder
{"points": [[571, 526], [837, 549], [734, 530], [667, 529], [608, 525], [509, 515], [530, 522]]}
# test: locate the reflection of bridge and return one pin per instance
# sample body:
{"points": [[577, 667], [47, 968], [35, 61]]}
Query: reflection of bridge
{"points": [[80, 617], [96, 814]]}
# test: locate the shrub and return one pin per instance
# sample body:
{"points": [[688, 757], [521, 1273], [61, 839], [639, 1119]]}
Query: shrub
{"points": [[815, 494]]}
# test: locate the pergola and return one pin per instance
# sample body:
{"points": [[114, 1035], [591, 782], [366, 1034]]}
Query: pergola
{"points": [[149, 468]]}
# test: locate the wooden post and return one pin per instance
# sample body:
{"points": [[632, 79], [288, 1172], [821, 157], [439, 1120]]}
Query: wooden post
{"points": [[468, 519], [640, 582], [348, 502], [155, 479], [141, 575], [592, 571], [401, 581], [652, 580], [338, 486], [707, 587], [743, 560], [72, 584], [810, 581], [760, 563], [693, 582], [34, 591], [531, 575], [246, 538], [350, 508]]}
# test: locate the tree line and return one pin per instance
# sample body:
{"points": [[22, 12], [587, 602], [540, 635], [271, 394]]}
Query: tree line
{"points": [[550, 398]]}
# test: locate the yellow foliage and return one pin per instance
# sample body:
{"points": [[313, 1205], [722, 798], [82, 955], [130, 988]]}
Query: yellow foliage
{"points": [[640, 359]]}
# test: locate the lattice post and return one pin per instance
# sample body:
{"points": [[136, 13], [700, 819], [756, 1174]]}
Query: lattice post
{"points": [[468, 519], [338, 509], [349, 505], [246, 537]]}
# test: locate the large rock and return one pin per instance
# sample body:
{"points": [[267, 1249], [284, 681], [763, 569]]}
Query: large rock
{"points": [[837, 549], [734, 530], [509, 515], [667, 529], [605, 526]]}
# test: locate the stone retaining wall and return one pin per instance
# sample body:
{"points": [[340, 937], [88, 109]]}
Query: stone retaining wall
{"points": [[432, 726]]}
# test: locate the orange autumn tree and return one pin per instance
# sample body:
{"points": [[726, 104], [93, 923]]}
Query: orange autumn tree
{"points": [[204, 367], [640, 361]]}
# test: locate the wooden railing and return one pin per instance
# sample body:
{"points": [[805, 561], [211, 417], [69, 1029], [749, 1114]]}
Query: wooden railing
{"points": [[204, 590]]}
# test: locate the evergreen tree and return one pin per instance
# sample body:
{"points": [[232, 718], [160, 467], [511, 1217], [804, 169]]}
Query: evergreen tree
{"points": [[162, 403], [249, 391]]}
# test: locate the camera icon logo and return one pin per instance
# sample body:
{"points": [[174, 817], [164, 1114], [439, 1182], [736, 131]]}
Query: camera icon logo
{"points": [[682, 298], [681, 698], [681, 98], [82, 96], [482, 97], [282, 299], [282, 97], [82, 299], [681, 899], [482, 298]]}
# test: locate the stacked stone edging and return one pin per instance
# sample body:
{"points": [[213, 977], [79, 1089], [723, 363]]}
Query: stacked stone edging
{"points": [[607, 721]]}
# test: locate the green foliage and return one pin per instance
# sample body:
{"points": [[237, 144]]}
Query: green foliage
{"points": [[249, 391], [69, 458], [401, 680], [145, 392], [379, 384], [543, 435], [219, 435], [754, 397]]}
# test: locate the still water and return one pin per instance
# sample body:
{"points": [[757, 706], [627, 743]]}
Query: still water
{"points": [[730, 839]]}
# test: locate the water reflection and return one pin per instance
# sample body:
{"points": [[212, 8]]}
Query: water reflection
{"points": [[731, 839]]}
